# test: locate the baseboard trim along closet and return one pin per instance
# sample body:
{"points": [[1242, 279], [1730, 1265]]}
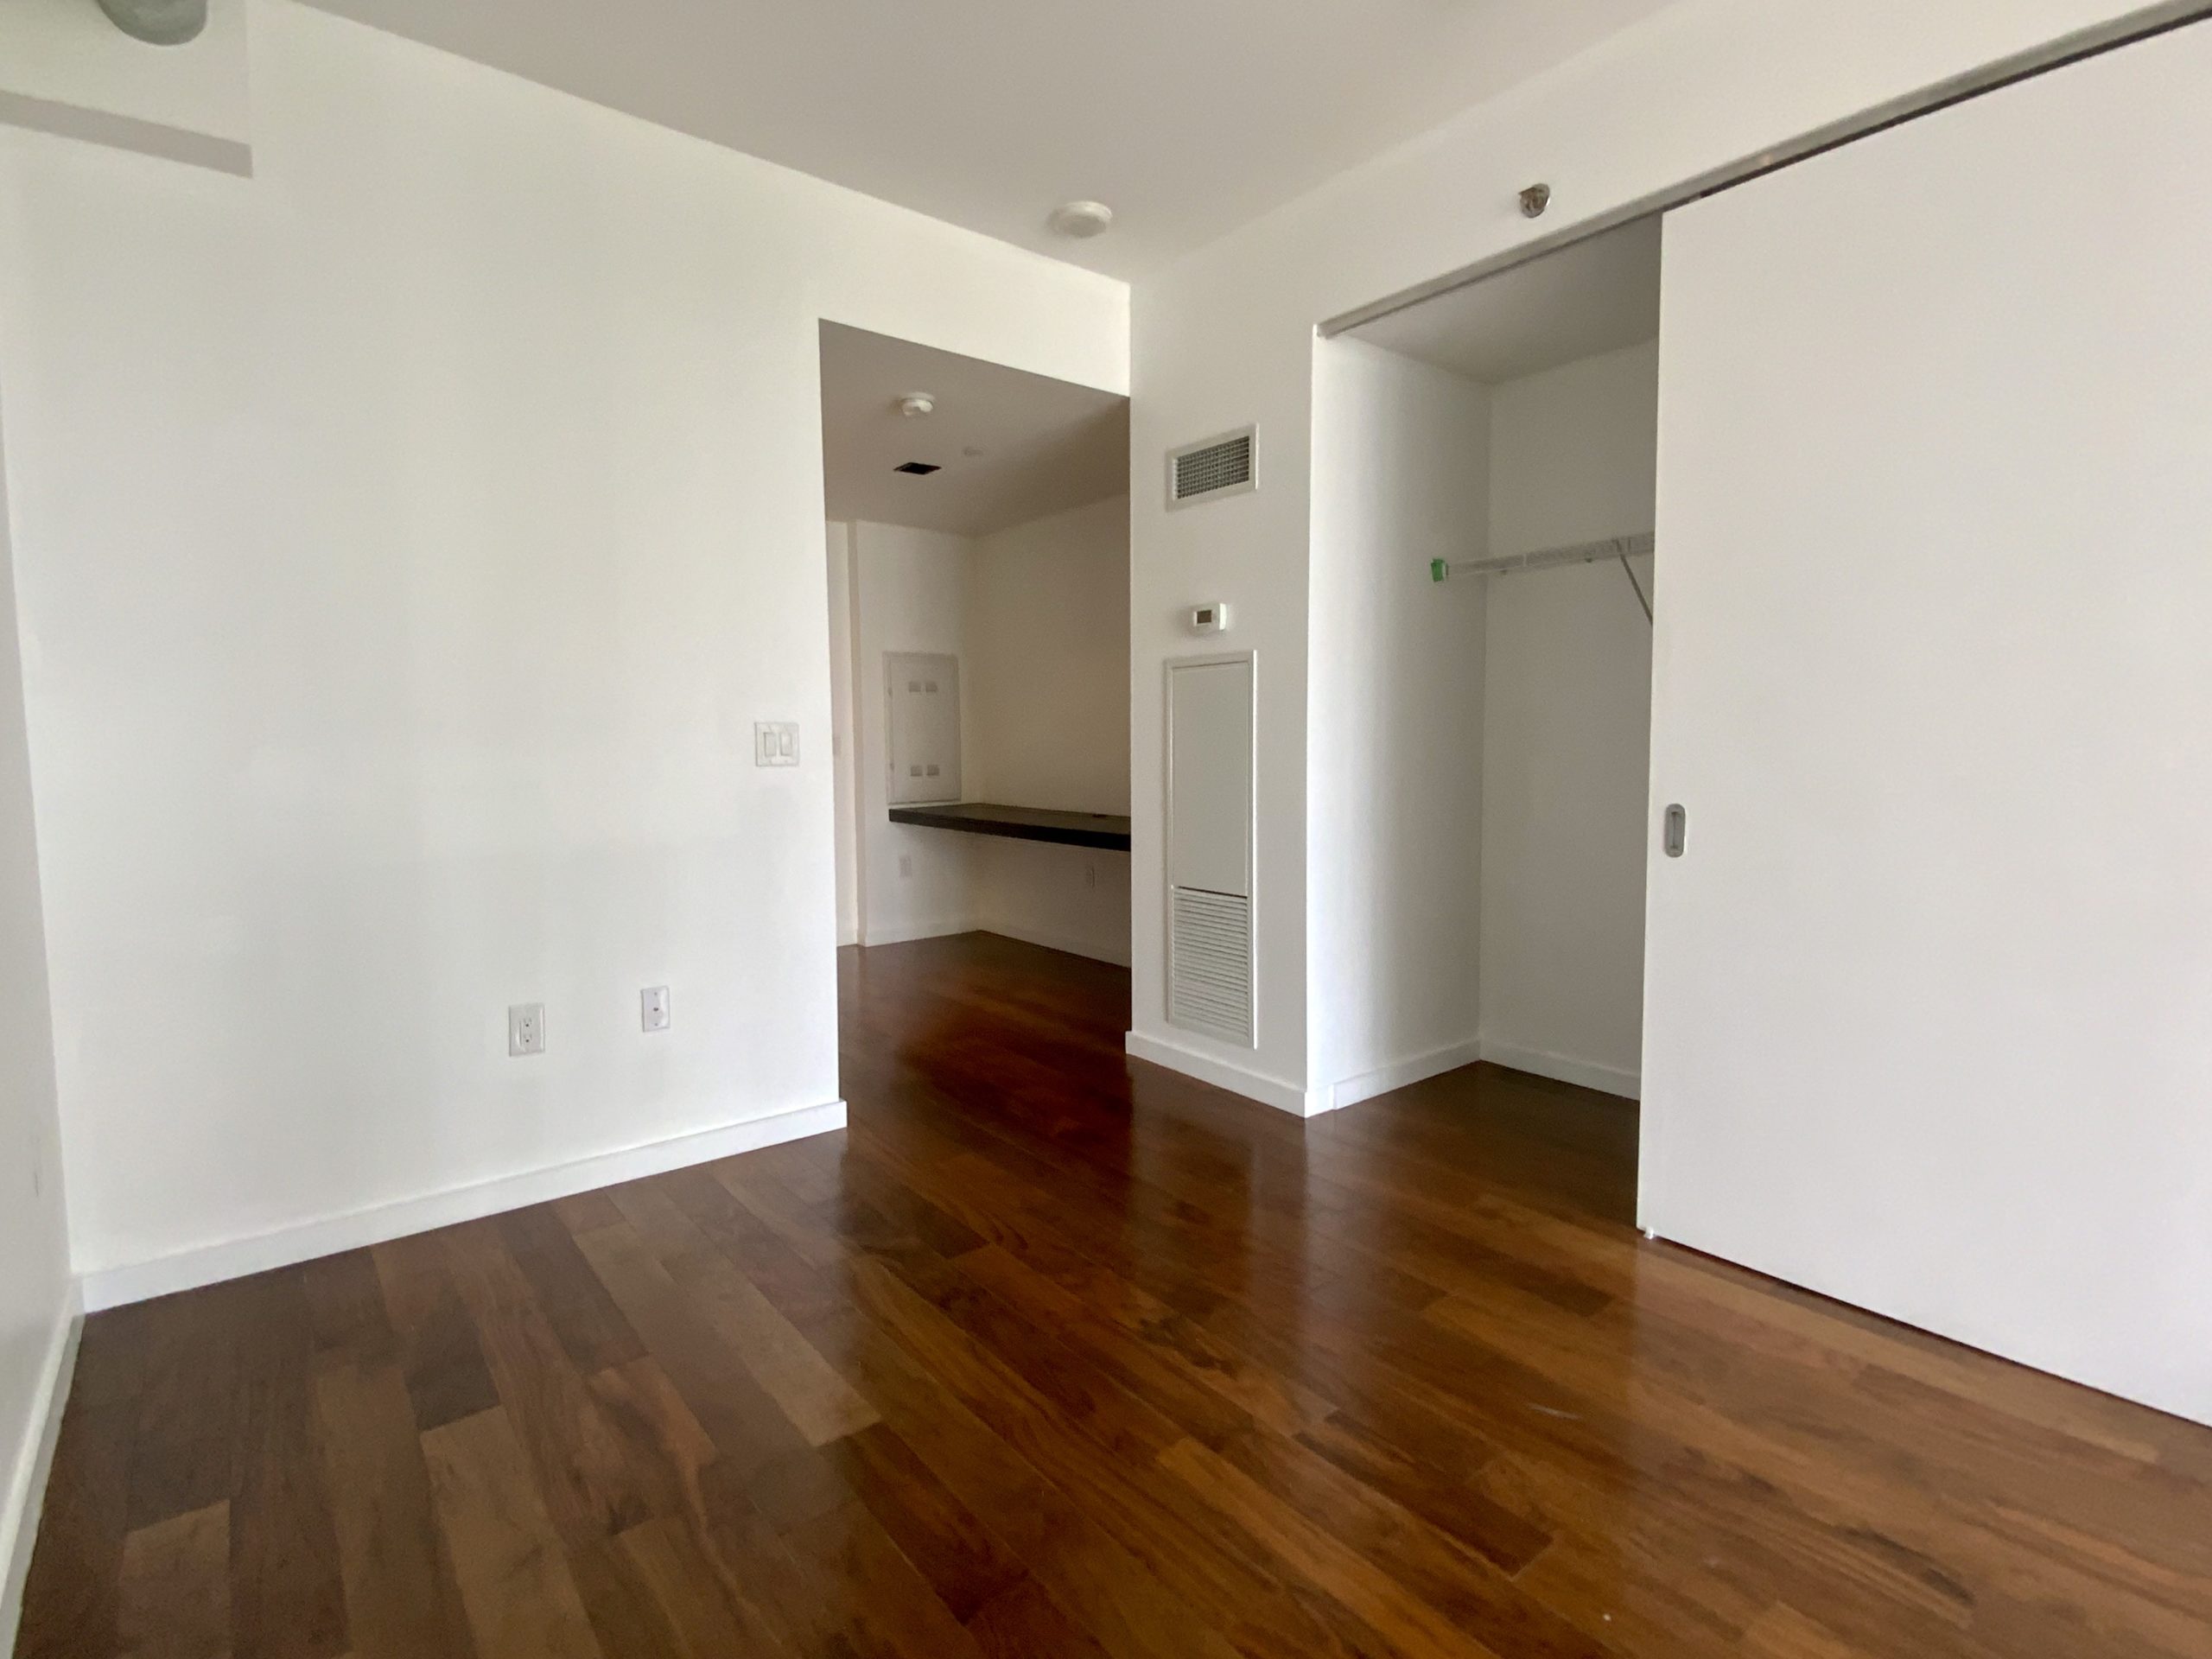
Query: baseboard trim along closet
{"points": [[1565, 1068], [1402, 1073], [235, 1258], [25, 1492], [1223, 1074]]}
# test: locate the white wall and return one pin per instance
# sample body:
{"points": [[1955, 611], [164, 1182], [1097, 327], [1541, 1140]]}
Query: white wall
{"points": [[407, 539], [1049, 626], [36, 1292], [844, 784], [1397, 785], [1073, 899], [1226, 336], [910, 593], [1574, 455], [1930, 1010], [66, 69], [1049, 685], [1567, 724]]}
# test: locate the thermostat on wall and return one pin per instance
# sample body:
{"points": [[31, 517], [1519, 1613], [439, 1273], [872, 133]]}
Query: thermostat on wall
{"points": [[1210, 619]]}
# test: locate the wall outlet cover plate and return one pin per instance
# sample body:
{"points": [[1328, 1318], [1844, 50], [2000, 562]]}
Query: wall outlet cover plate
{"points": [[526, 1028]]}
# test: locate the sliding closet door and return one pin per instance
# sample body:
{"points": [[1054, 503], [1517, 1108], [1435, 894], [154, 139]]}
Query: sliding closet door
{"points": [[1930, 989]]}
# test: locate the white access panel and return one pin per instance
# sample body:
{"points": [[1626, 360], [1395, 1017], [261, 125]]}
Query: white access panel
{"points": [[922, 692], [1209, 772], [1929, 993]]}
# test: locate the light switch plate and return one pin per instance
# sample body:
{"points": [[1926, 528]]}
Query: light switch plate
{"points": [[652, 1007], [775, 743]]}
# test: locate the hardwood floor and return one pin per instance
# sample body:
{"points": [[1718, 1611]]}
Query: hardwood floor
{"points": [[1054, 1354]]}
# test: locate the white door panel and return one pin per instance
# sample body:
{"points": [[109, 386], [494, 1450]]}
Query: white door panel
{"points": [[1929, 1007]]}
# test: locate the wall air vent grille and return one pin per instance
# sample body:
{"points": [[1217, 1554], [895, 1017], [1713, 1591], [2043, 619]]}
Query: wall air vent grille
{"points": [[1209, 963], [1218, 467]]}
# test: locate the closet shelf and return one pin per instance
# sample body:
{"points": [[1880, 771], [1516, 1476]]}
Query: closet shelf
{"points": [[1100, 830]]}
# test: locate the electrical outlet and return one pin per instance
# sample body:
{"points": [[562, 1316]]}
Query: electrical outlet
{"points": [[652, 1007], [526, 1028], [905, 865]]}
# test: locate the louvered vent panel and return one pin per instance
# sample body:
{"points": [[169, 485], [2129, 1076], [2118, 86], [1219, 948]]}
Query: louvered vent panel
{"points": [[1218, 467], [1209, 963]]}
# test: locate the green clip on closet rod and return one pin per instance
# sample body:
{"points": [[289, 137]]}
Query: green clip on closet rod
{"points": [[1623, 547]]}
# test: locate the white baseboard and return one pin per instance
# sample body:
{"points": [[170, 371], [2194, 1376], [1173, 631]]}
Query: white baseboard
{"points": [[234, 1258], [1224, 1074], [1565, 1068], [1400, 1073], [1068, 943], [907, 932], [25, 1492]]}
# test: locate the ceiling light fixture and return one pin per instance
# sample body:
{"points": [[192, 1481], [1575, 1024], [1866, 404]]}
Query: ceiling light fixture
{"points": [[1081, 219], [915, 404]]}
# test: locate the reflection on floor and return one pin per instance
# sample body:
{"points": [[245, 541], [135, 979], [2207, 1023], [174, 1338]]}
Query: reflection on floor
{"points": [[1055, 1354]]}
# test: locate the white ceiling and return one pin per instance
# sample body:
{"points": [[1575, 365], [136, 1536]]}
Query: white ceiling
{"points": [[1044, 445], [1188, 117], [1596, 295]]}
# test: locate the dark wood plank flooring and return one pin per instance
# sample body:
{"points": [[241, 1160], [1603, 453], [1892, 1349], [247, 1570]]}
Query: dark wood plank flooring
{"points": [[1052, 1354]]}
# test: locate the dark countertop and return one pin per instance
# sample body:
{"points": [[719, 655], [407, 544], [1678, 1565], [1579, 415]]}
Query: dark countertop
{"points": [[1021, 823]]}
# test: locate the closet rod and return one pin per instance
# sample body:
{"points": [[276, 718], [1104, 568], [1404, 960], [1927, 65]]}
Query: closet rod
{"points": [[1613, 547], [1623, 547]]}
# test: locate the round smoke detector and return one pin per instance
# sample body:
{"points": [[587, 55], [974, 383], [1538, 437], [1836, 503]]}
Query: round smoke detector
{"points": [[915, 404], [1081, 219], [158, 22]]}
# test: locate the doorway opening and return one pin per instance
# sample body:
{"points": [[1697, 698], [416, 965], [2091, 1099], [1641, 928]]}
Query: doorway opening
{"points": [[977, 540], [1491, 455]]}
